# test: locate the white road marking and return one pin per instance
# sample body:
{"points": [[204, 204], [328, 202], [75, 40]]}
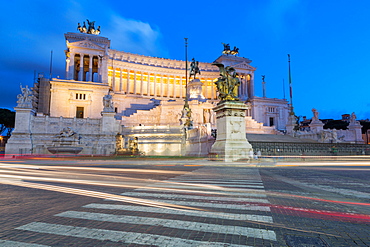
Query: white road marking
{"points": [[117, 236], [245, 192], [178, 224], [216, 182], [204, 214], [210, 198], [204, 186], [218, 205], [8, 243]]}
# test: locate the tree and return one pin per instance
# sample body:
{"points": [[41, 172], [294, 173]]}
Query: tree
{"points": [[7, 121], [336, 124], [365, 125]]}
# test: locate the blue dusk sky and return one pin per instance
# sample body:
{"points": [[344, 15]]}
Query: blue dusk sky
{"points": [[329, 42]]}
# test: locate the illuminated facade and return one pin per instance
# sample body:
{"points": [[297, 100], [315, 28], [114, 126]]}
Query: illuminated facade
{"points": [[141, 83], [147, 97]]}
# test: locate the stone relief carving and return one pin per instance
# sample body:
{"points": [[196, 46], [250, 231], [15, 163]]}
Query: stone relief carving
{"points": [[66, 132], [235, 127], [206, 115]]}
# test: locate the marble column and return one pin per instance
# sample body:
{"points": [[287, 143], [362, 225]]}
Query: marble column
{"points": [[80, 74], [168, 86], [148, 85], [174, 87], [128, 82], [100, 78], [120, 81], [142, 84], [113, 79], [251, 87], [213, 92], [180, 89], [161, 85], [135, 82], [90, 67], [155, 86], [207, 88], [69, 66]]}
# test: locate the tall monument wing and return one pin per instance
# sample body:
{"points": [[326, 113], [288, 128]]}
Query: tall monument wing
{"points": [[244, 66], [86, 44], [232, 60], [101, 42]]}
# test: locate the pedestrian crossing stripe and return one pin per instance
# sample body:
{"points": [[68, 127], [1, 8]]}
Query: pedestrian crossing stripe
{"points": [[218, 205], [244, 192], [204, 214], [117, 236], [8, 243], [205, 186], [178, 224], [194, 197], [251, 182]]}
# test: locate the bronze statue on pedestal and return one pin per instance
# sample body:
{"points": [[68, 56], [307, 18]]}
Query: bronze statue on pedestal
{"points": [[194, 68], [228, 83]]}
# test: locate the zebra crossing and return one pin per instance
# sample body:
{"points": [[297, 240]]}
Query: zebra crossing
{"points": [[229, 207]]}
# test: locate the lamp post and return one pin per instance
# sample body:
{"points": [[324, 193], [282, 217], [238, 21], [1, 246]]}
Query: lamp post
{"points": [[186, 112]]}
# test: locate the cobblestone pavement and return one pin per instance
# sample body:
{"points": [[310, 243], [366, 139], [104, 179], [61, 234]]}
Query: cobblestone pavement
{"points": [[181, 203]]}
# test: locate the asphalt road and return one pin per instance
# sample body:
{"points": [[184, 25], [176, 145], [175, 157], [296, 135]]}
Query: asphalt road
{"points": [[152, 202]]}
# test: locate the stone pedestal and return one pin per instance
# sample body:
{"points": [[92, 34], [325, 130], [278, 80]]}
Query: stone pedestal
{"points": [[109, 123], [195, 90], [231, 143], [109, 130], [356, 134], [291, 124], [20, 142], [316, 126]]}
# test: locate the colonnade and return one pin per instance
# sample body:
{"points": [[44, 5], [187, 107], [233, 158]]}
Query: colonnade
{"points": [[88, 67], [154, 84], [246, 88], [83, 67]]}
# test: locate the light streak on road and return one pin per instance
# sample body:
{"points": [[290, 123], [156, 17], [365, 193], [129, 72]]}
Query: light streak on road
{"points": [[326, 215], [93, 169], [316, 199], [105, 180], [96, 194]]}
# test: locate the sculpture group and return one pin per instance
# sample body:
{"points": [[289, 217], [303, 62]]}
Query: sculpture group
{"points": [[228, 83], [90, 29], [228, 51]]}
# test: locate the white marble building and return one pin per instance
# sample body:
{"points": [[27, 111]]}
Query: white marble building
{"points": [[145, 91], [142, 83]]}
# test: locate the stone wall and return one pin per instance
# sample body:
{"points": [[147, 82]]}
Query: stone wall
{"points": [[164, 140], [309, 149], [199, 141], [43, 130]]}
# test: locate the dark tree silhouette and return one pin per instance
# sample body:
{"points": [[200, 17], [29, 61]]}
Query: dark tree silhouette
{"points": [[7, 120]]}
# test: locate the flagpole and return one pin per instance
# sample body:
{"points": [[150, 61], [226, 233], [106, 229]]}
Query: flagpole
{"points": [[290, 88], [51, 64]]}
